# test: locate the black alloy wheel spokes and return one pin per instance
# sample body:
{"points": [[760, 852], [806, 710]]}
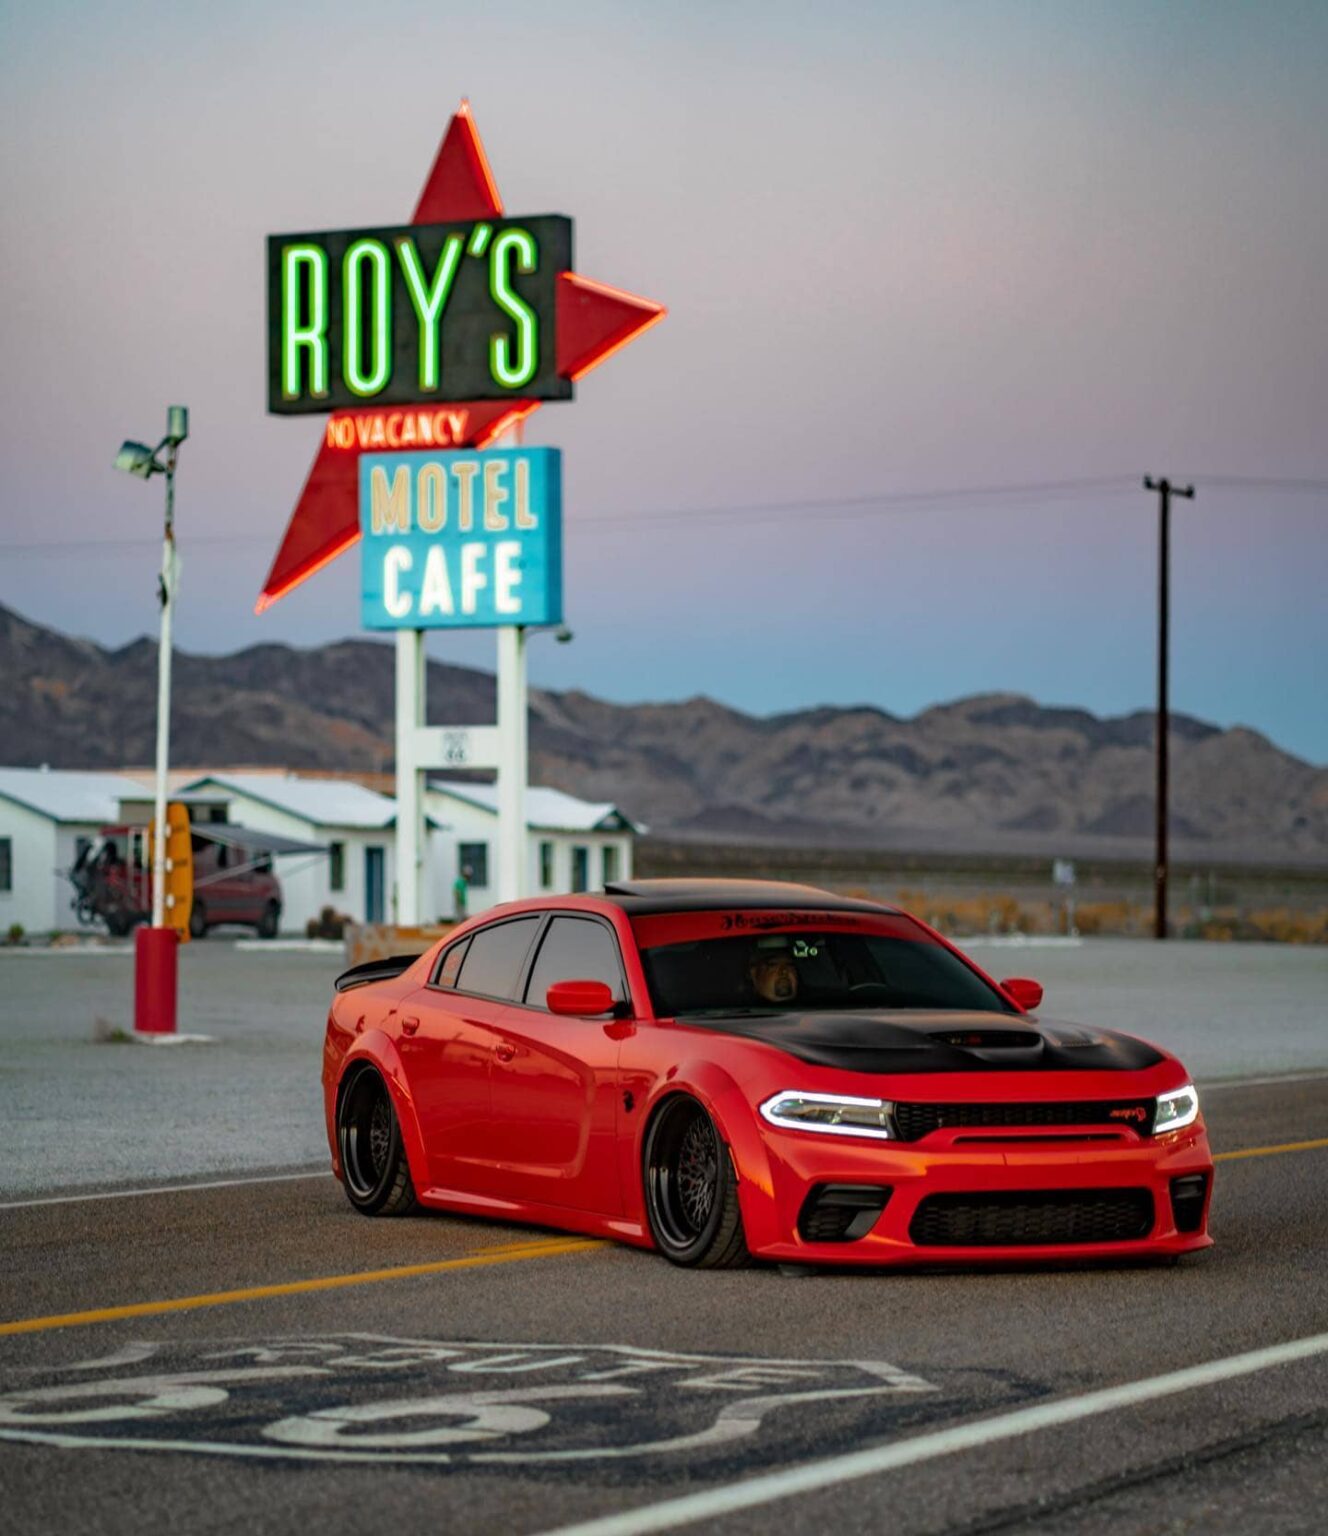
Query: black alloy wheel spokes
{"points": [[696, 1171], [380, 1135]]}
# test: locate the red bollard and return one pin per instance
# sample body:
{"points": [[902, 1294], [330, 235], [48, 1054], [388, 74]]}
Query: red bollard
{"points": [[156, 961]]}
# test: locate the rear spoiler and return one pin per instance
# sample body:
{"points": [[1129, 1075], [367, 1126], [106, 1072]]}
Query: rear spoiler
{"points": [[374, 970]]}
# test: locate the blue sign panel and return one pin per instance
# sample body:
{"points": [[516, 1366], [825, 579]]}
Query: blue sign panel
{"points": [[461, 539]]}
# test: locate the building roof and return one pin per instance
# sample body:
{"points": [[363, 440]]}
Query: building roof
{"points": [[547, 810], [69, 794], [321, 802]]}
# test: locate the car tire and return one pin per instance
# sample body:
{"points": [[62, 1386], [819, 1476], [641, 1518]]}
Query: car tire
{"points": [[691, 1189], [118, 924], [198, 921], [374, 1171], [267, 924]]}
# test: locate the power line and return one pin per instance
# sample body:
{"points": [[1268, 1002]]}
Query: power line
{"points": [[1260, 483], [955, 498]]}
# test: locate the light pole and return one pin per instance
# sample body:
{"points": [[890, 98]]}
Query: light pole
{"points": [[155, 948]]}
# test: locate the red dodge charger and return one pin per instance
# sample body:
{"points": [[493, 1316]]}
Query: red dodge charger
{"points": [[726, 1070]]}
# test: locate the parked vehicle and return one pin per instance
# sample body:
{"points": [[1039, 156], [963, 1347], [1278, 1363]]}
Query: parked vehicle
{"points": [[233, 880], [734, 1070], [233, 883]]}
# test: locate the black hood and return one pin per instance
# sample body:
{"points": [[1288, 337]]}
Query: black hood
{"points": [[909, 1040]]}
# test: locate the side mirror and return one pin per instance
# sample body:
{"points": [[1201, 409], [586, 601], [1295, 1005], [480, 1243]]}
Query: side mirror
{"points": [[582, 998], [1023, 991]]}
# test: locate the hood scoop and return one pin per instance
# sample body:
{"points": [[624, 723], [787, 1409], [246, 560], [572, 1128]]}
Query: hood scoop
{"points": [[1002, 1045]]}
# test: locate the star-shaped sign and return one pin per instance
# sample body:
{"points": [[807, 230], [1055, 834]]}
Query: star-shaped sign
{"points": [[592, 321]]}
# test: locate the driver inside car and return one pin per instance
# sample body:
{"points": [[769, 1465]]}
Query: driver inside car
{"points": [[771, 973]]}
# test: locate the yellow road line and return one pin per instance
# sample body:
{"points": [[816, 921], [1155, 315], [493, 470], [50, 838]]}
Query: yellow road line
{"points": [[506, 1254], [1287, 1146]]}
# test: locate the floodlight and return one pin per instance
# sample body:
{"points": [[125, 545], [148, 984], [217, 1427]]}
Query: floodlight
{"points": [[136, 459], [177, 424], [563, 635]]}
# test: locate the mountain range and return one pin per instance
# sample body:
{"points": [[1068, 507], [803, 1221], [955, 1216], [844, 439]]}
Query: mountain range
{"points": [[996, 772]]}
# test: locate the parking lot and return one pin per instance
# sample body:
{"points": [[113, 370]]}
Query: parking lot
{"points": [[199, 1333]]}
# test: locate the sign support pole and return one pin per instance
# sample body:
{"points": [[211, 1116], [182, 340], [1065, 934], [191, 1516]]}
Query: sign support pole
{"points": [[513, 762], [411, 677]]}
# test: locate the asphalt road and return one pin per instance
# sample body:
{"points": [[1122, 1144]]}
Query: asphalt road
{"points": [[491, 1378]]}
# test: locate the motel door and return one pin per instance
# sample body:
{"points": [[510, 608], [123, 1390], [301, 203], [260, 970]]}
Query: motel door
{"points": [[374, 884]]}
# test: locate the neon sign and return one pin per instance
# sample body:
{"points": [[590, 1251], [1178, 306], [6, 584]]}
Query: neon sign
{"points": [[461, 539], [418, 312], [376, 317]]}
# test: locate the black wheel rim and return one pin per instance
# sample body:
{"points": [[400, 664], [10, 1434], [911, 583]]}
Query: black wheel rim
{"points": [[683, 1176], [368, 1130]]}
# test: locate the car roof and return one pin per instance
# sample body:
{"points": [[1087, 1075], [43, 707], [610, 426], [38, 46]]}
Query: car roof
{"points": [[640, 897]]}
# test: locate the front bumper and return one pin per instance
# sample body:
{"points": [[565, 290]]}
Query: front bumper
{"points": [[948, 1164]]}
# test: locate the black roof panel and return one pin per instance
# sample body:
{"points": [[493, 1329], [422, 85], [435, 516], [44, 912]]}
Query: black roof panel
{"points": [[643, 896]]}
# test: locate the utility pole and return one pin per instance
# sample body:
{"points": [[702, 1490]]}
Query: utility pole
{"points": [[1165, 491]]}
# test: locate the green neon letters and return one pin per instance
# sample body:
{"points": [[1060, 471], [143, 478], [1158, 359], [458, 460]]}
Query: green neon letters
{"points": [[311, 335], [507, 370], [366, 381], [416, 314], [429, 299]]}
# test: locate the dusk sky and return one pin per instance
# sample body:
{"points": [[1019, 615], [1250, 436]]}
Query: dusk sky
{"points": [[905, 248]]}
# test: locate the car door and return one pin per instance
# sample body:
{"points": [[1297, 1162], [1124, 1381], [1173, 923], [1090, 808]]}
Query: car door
{"points": [[555, 1078], [448, 1034]]}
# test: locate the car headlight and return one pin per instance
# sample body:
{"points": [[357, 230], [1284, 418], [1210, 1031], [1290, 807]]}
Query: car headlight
{"points": [[1176, 1109], [834, 1113]]}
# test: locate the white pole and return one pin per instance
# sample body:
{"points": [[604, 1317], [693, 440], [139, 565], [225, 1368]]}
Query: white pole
{"points": [[164, 697], [512, 762], [411, 675]]}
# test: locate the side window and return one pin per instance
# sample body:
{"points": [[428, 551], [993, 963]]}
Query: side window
{"points": [[336, 866], [575, 949], [449, 967], [6, 864], [494, 957]]}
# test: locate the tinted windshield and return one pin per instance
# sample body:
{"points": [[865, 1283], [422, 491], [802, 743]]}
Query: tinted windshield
{"points": [[716, 962]]}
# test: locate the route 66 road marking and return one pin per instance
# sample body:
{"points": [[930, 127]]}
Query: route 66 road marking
{"points": [[367, 1397]]}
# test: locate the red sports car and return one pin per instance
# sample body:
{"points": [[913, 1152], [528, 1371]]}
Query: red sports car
{"points": [[733, 1069]]}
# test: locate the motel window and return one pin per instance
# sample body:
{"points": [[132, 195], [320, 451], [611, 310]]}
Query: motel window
{"points": [[336, 866], [609, 863], [6, 864], [546, 866], [580, 869], [474, 857]]}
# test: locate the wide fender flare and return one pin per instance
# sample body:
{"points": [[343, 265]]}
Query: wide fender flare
{"points": [[377, 1049], [739, 1126]]}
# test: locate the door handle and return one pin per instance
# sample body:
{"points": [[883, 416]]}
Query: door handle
{"points": [[409, 1026], [504, 1052]]}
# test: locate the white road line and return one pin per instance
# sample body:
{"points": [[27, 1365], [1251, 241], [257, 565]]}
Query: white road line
{"points": [[1259, 1082], [164, 1189], [816, 1476]]}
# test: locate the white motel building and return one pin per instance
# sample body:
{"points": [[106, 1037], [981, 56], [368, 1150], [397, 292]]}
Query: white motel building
{"points": [[47, 815]]}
